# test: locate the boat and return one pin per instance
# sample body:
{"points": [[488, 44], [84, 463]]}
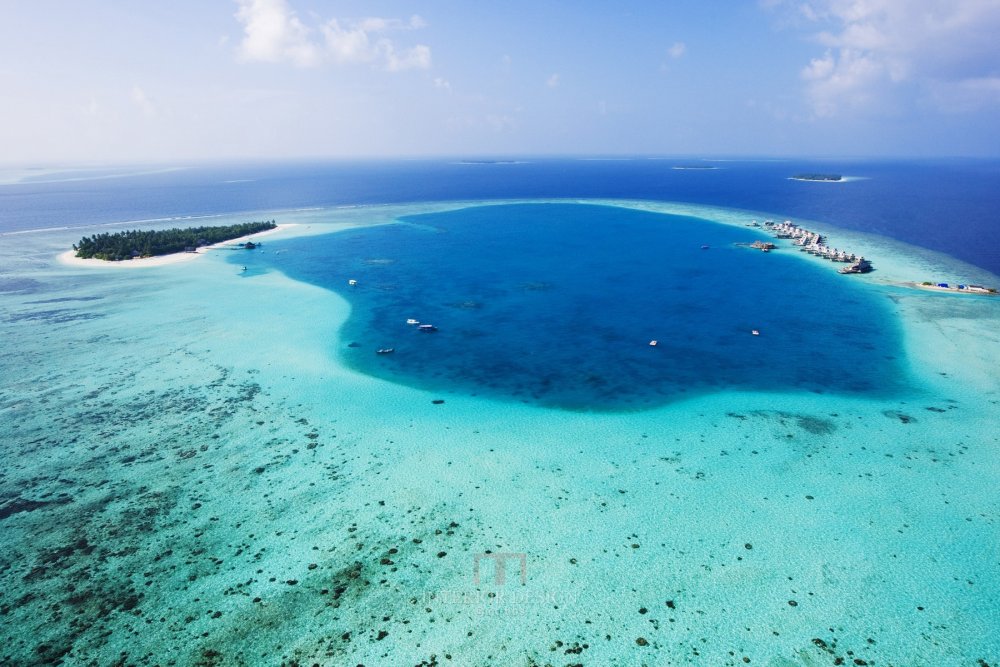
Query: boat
{"points": [[652, 343], [352, 281], [427, 328], [704, 247], [385, 350], [243, 269], [755, 332], [412, 321]]}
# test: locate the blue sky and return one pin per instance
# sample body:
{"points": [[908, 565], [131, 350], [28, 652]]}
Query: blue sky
{"points": [[114, 80]]}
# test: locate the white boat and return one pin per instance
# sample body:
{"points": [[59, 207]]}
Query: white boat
{"points": [[652, 343], [352, 281], [427, 328], [755, 332], [412, 321]]}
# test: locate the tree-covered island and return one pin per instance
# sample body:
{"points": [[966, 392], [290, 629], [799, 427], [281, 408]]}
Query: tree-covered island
{"points": [[818, 177], [136, 243]]}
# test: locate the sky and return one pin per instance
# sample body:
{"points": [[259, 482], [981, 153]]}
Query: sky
{"points": [[125, 81]]}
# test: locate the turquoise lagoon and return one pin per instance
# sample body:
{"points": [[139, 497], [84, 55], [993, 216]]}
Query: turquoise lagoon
{"points": [[556, 303], [200, 469]]}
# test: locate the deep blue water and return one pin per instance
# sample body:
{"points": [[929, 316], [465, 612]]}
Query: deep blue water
{"points": [[946, 205], [557, 303]]}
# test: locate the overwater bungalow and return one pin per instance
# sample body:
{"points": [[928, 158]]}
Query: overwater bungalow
{"points": [[860, 266], [814, 244]]}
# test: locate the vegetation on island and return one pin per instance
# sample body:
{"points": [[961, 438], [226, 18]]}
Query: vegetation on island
{"points": [[818, 177], [137, 243]]}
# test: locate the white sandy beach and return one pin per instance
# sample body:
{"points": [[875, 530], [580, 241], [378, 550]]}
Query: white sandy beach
{"points": [[69, 257]]}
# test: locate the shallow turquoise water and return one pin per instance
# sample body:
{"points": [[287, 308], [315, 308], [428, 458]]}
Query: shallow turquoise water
{"points": [[193, 476], [556, 303]]}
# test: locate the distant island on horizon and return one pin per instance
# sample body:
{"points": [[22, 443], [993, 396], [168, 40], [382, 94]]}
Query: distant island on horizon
{"points": [[491, 162], [817, 177], [135, 243]]}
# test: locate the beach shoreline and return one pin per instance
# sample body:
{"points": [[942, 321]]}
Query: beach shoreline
{"points": [[69, 257]]}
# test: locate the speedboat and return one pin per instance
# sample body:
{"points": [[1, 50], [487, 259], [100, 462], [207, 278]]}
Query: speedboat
{"points": [[755, 332], [352, 281], [385, 350], [652, 343], [412, 321], [427, 328]]}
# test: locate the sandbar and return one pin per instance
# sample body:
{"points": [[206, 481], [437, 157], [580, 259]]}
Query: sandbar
{"points": [[951, 289]]}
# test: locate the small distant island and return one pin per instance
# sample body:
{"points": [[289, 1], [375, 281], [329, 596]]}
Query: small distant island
{"points": [[694, 166], [817, 177], [490, 162], [135, 243]]}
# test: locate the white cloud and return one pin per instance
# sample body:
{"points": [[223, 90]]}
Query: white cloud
{"points": [[141, 101], [675, 52], [361, 42], [882, 53], [820, 68], [419, 57], [850, 81], [347, 45], [273, 33], [552, 81], [442, 84]]}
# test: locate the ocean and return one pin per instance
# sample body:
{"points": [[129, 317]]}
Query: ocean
{"points": [[210, 462], [942, 205]]}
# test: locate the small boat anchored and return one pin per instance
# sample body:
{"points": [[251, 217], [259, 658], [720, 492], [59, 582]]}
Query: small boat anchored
{"points": [[653, 343], [352, 282], [385, 350], [755, 332]]}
